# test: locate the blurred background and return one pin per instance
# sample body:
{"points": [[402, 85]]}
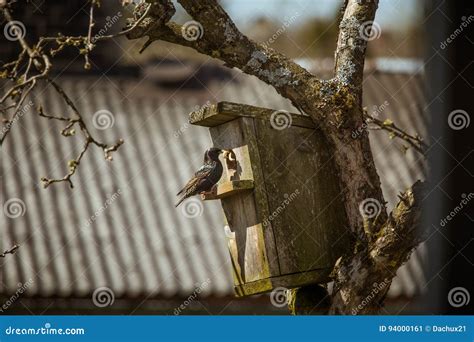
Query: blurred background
{"points": [[117, 233]]}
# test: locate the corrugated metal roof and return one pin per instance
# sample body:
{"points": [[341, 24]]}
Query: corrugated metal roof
{"points": [[140, 245]]}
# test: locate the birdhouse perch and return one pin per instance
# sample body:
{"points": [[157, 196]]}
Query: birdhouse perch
{"points": [[280, 197]]}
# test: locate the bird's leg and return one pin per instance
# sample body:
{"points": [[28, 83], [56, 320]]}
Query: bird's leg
{"points": [[211, 193]]}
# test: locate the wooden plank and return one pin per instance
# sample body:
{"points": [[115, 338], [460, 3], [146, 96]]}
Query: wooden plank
{"points": [[260, 195], [256, 263], [234, 255], [228, 188], [302, 194], [223, 112], [317, 276], [240, 209]]}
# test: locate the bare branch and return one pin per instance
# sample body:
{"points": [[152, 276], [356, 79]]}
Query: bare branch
{"points": [[11, 250], [23, 85], [415, 141]]}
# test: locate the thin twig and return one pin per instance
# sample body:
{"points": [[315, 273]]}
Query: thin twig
{"points": [[415, 141], [12, 250], [35, 57]]}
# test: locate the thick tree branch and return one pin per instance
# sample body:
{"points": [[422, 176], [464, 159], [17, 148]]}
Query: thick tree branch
{"points": [[214, 34], [354, 33], [402, 231], [362, 281]]}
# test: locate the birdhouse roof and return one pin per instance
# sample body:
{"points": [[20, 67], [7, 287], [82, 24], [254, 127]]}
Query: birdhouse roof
{"points": [[224, 111]]}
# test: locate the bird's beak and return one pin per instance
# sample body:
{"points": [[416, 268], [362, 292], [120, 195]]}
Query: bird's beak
{"points": [[229, 155]]}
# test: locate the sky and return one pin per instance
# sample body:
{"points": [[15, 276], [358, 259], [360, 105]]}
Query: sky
{"points": [[391, 13]]}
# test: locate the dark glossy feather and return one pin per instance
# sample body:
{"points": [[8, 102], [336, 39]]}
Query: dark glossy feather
{"points": [[204, 178]]}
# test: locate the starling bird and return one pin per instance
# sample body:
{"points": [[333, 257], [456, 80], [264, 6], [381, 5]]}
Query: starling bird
{"points": [[204, 178]]}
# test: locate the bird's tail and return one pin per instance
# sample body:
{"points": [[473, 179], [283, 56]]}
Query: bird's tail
{"points": [[180, 201]]}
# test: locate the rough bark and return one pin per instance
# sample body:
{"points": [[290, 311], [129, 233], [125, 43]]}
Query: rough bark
{"points": [[335, 105]]}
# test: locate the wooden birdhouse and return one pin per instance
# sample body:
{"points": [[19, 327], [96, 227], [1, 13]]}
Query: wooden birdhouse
{"points": [[282, 204]]}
